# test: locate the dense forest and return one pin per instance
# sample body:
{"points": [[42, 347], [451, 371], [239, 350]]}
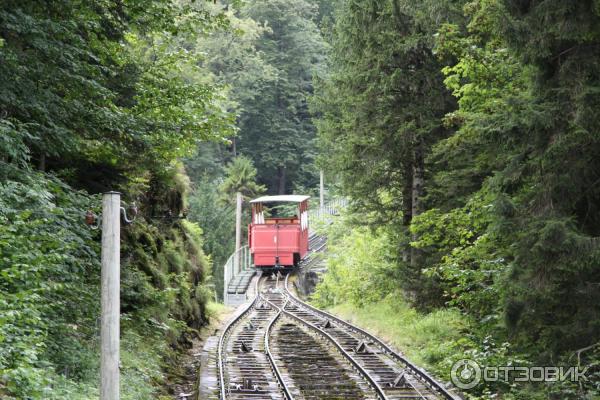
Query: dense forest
{"points": [[464, 134], [96, 97], [171, 103]]}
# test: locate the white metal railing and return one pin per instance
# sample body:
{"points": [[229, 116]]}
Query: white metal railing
{"points": [[238, 262], [332, 207]]}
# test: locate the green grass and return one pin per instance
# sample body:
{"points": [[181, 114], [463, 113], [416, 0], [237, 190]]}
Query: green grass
{"points": [[216, 310], [431, 340]]}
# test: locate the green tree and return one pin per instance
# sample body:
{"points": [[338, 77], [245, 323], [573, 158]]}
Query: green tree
{"points": [[380, 112], [240, 176], [276, 130], [213, 207], [526, 136], [217, 220], [505, 226], [101, 96], [556, 184]]}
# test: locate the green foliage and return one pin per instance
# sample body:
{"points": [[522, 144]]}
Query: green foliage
{"points": [[267, 57], [232, 56], [509, 108], [213, 206], [12, 143], [49, 286], [379, 111], [240, 177], [505, 222], [429, 340], [87, 83], [276, 130], [173, 97], [463, 256], [103, 96], [357, 267], [218, 222], [49, 277], [142, 358]]}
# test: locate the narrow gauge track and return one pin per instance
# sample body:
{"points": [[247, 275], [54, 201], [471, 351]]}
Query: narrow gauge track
{"points": [[279, 347], [313, 369], [246, 370], [398, 377], [256, 361]]}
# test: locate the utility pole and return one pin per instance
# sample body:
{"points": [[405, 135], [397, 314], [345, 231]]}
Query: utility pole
{"points": [[110, 279], [238, 231], [322, 190]]}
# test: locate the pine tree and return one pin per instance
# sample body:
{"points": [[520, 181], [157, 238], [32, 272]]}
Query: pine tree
{"points": [[381, 110], [276, 130]]}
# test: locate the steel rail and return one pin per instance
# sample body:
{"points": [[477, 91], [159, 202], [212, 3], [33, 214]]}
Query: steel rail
{"points": [[418, 372], [283, 385], [222, 341], [380, 393]]}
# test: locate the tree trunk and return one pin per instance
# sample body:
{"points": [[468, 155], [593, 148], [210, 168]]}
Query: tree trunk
{"points": [[42, 162], [418, 186], [407, 205], [281, 174]]}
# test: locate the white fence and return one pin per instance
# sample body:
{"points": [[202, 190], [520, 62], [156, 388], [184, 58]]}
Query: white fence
{"points": [[332, 207], [239, 261]]}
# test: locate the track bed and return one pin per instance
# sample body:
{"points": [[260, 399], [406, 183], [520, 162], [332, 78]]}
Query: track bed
{"points": [[279, 347]]}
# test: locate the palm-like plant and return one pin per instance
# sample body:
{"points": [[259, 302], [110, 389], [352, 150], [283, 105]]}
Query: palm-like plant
{"points": [[240, 177]]}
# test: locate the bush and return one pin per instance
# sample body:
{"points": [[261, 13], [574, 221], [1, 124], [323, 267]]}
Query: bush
{"points": [[48, 283], [50, 291], [357, 267]]}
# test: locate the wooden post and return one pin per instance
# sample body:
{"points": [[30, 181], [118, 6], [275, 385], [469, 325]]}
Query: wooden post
{"points": [[238, 232], [322, 190], [110, 277]]}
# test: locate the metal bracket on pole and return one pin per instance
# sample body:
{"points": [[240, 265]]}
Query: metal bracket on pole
{"points": [[132, 210]]}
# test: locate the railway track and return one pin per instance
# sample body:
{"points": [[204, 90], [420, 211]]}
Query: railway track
{"points": [[279, 347], [396, 376]]}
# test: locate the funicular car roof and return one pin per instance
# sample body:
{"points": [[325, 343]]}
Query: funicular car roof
{"points": [[291, 198]]}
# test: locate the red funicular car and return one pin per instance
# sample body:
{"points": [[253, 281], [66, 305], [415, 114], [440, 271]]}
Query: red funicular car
{"points": [[279, 241]]}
